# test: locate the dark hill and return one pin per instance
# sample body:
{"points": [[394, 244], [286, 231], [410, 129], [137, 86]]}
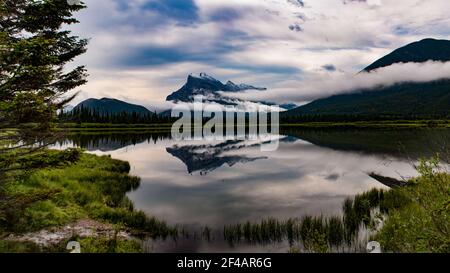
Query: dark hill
{"points": [[417, 52], [112, 106], [404, 100]]}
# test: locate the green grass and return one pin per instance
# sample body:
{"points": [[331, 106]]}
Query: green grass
{"points": [[18, 247], [106, 245], [102, 244], [92, 187], [316, 234], [87, 244], [95, 187], [423, 225]]}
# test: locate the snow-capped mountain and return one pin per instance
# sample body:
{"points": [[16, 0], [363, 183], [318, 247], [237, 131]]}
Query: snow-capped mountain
{"points": [[210, 88]]}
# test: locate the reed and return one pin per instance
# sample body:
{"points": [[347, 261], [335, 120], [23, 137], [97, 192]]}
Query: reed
{"points": [[316, 234]]}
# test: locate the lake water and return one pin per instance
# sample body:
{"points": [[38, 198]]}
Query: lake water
{"points": [[215, 183]]}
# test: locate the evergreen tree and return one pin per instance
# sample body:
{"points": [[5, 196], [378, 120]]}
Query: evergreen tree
{"points": [[34, 84], [34, 51]]}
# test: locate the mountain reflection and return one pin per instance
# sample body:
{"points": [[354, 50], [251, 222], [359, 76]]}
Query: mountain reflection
{"points": [[111, 141], [207, 158], [404, 143]]}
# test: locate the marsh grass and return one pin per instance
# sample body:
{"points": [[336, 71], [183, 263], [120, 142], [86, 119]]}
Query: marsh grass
{"points": [[318, 234], [94, 187], [415, 218]]}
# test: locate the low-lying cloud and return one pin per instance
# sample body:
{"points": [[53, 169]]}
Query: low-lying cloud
{"points": [[321, 85]]}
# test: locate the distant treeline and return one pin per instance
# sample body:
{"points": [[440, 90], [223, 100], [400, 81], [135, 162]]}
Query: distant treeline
{"points": [[88, 115], [355, 118]]}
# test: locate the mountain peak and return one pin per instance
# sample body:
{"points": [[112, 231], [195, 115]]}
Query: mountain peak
{"points": [[418, 52], [208, 86], [429, 39], [202, 76]]}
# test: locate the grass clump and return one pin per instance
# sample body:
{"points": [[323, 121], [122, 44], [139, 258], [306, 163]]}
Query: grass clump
{"points": [[93, 187], [423, 224], [18, 247], [107, 245], [320, 234], [102, 244]]}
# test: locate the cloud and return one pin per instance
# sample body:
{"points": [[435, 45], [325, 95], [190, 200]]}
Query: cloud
{"points": [[329, 67], [368, 2], [295, 27], [298, 3], [142, 50], [226, 14], [324, 85]]}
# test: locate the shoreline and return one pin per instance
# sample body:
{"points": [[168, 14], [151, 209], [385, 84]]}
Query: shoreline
{"points": [[358, 124], [85, 201], [108, 222]]}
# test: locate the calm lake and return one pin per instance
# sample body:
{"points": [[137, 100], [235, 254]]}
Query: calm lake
{"points": [[198, 184]]}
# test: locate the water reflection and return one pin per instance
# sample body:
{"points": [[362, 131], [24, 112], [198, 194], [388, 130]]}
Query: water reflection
{"points": [[311, 173], [110, 141], [207, 158], [403, 143]]}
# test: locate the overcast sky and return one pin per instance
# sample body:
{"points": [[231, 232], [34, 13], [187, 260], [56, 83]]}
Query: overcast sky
{"points": [[143, 50]]}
